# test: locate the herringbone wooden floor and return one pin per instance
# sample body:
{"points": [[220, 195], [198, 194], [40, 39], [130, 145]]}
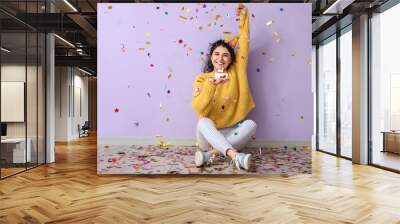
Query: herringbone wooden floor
{"points": [[70, 191]]}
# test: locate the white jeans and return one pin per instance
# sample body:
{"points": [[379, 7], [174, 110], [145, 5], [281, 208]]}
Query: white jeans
{"points": [[223, 139]]}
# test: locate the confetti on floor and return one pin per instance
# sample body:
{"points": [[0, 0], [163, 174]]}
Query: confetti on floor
{"points": [[151, 159]]}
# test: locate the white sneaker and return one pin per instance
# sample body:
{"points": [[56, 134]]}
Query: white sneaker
{"points": [[242, 161], [201, 158]]}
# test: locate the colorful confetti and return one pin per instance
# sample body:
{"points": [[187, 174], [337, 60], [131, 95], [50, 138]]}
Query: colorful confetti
{"points": [[116, 110], [147, 33], [183, 17], [269, 23], [151, 65], [293, 53], [164, 158], [258, 70]]}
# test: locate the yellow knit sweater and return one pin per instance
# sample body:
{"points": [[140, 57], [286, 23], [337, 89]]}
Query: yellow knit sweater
{"points": [[227, 103]]}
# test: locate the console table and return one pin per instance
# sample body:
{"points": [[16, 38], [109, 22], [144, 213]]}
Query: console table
{"points": [[16, 148], [391, 141]]}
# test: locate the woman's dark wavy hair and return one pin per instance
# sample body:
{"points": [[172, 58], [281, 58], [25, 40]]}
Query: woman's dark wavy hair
{"points": [[209, 67]]}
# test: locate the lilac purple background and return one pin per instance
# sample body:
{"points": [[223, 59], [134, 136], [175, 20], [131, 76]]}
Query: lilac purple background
{"points": [[280, 81]]}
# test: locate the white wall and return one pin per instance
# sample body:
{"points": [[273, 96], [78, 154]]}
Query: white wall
{"points": [[70, 84]]}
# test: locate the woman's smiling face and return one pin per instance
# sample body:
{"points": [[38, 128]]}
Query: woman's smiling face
{"points": [[221, 58]]}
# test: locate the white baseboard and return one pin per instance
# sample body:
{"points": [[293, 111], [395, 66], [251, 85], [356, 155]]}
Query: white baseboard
{"points": [[192, 142]]}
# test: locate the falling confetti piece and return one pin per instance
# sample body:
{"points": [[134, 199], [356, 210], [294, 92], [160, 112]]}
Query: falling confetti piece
{"points": [[116, 110], [151, 65], [200, 27], [148, 42], [183, 17], [236, 133], [161, 106], [148, 54], [141, 49], [167, 119], [258, 70], [217, 17], [202, 53], [168, 91], [158, 7], [253, 137], [252, 15], [270, 60], [204, 6], [148, 94], [180, 41], [136, 124], [301, 117], [187, 10], [263, 53], [209, 25], [166, 13], [223, 107], [109, 7], [281, 9], [227, 15], [269, 23], [293, 53], [309, 62], [123, 49], [169, 76], [147, 33]]}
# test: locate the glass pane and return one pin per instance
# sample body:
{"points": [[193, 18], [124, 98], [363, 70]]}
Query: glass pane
{"points": [[13, 87], [386, 89], [327, 97], [31, 100], [41, 98], [346, 94]]}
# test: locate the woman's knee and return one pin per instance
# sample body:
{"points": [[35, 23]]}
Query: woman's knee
{"points": [[250, 124], [204, 121]]}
